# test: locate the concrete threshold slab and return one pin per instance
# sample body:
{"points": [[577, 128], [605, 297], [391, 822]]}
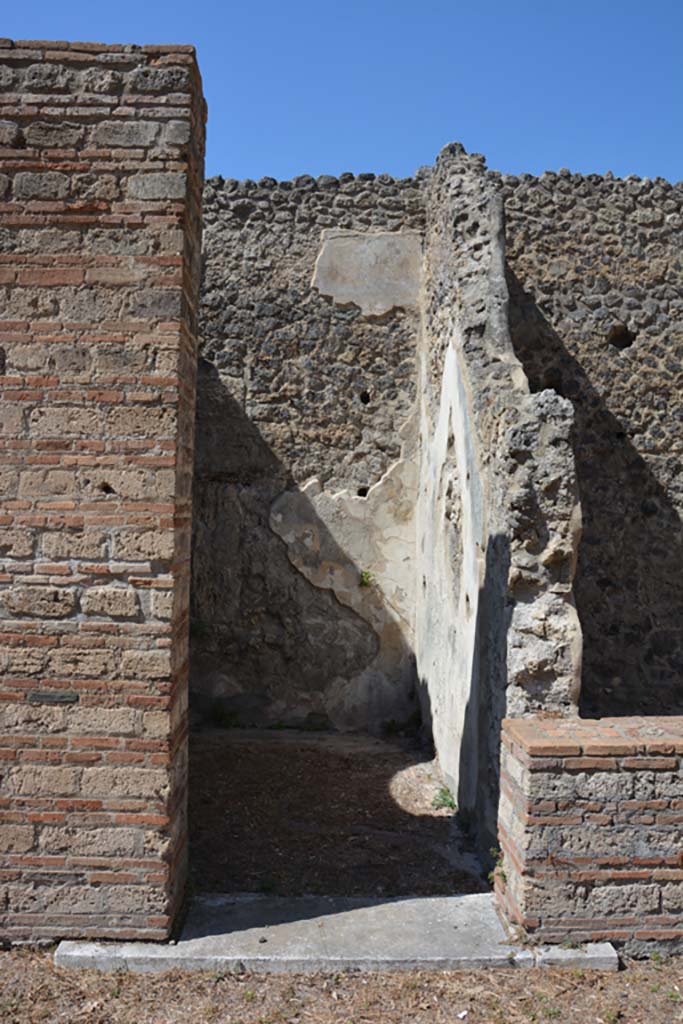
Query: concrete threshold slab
{"points": [[320, 933]]}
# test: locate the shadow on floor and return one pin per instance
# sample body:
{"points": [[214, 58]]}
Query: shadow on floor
{"points": [[341, 933], [291, 813]]}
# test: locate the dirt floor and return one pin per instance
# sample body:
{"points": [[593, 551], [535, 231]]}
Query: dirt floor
{"points": [[32, 989], [291, 813]]}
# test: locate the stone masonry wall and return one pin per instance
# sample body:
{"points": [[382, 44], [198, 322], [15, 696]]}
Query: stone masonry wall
{"points": [[590, 831], [101, 151], [498, 515], [596, 313], [304, 484]]}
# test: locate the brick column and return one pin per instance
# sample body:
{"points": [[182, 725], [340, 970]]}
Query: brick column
{"points": [[591, 816], [101, 151]]}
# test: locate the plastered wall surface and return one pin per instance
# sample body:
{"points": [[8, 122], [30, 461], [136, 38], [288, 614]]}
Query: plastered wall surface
{"points": [[595, 265], [498, 514], [100, 193], [305, 435]]}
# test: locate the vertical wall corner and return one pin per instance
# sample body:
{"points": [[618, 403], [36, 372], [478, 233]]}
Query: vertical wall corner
{"points": [[499, 511]]}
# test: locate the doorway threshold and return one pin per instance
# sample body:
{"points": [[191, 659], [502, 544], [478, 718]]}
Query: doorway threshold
{"points": [[274, 934]]}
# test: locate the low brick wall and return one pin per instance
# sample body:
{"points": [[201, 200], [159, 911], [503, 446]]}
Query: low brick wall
{"points": [[590, 830], [101, 154]]}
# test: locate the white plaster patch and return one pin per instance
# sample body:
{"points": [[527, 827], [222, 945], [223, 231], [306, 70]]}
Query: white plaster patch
{"points": [[375, 271], [363, 549], [451, 567]]}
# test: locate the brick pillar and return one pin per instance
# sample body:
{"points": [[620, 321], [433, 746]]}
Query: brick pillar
{"points": [[590, 830], [101, 151]]}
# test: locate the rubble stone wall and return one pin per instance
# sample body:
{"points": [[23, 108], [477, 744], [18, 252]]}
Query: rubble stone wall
{"points": [[590, 831], [305, 480], [498, 515], [101, 150], [596, 314]]}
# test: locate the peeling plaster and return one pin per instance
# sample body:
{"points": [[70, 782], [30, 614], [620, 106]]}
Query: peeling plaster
{"points": [[373, 535], [375, 271]]}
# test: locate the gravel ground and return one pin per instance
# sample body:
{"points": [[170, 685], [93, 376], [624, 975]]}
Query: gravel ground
{"points": [[32, 989]]}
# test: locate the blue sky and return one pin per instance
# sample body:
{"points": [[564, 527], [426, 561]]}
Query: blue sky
{"points": [[311, 87]]}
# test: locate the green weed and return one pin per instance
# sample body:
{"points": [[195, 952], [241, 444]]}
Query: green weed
{"points": [[443, 799]]}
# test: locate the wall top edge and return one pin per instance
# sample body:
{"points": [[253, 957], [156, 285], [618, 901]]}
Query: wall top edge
{"points": [[500, 181], [86, 47], [543, 736], [308, 183]]}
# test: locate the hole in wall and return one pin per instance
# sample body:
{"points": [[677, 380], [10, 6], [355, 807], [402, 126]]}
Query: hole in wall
{"points": [[620, 336], [551, 379], [242, 211], [362, 492], [106, 488], [3, 362], [365, 397]]}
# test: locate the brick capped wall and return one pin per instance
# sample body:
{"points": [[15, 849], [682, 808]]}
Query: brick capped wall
{"points": [[591, 817], [101, 151]]}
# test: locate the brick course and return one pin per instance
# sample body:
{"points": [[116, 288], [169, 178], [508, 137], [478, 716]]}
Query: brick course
{"points": [[590, 826], [101, 153]]}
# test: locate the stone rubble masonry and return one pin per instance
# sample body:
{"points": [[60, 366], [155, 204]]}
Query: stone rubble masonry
{"points": [[596, 314], [296, 386], [590, 823], [499, 513], [101, 160]]}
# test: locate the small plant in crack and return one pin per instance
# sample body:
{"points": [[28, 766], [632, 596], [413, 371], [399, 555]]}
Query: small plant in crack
{"points": [[367, 578], [498, 872], [443, 799]]}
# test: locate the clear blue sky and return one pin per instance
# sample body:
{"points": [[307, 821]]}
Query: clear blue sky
{"points": [[319, 87]]}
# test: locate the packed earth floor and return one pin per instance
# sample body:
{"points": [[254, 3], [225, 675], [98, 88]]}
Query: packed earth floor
{"points": [[296, 813]]}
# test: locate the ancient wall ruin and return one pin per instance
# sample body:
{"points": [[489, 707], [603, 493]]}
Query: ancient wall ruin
{"points": [[497, 631], [596, 314], [411, 394], [305, 481], [590, 831], [102, 164]]}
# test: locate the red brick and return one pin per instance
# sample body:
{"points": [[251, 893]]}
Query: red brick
{"points": [[48, 277], [609, 748], [590, 764], [654, 764]]}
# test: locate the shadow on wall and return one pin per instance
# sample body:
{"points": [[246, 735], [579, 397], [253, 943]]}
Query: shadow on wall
{"points": [[267, 646], [486, 706], [628, 584]]}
